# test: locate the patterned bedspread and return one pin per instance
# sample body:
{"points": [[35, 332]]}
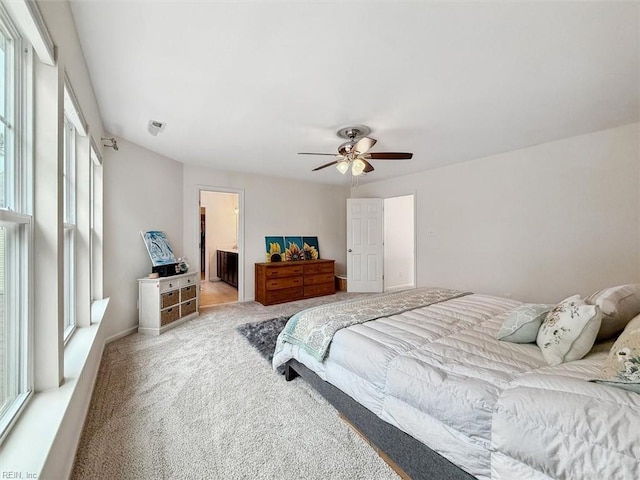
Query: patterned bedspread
{"points": [[313, 329]]}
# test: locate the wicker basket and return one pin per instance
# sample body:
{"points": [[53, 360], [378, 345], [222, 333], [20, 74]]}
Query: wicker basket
{"points": [[341, 283]]}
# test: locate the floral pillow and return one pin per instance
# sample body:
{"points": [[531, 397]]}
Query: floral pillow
{"points": [[622, 368], [569, 331], [522, 324]]}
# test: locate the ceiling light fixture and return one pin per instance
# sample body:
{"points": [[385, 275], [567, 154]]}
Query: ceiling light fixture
{"points": [[357, 167], [343, 166]]}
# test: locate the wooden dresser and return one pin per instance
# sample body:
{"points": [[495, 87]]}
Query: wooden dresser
{"points": [[280, 282]]}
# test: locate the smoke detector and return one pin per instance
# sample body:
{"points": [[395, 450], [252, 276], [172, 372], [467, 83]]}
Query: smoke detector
{"points": [[155, 127]]}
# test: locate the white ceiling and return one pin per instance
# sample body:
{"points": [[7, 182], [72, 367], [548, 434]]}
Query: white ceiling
{"points": [[244, 86]]}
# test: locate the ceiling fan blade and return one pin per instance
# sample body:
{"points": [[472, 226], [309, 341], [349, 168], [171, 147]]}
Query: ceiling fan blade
{"points": [[389, 156], [363, 145], [324, 166], [367, 166], [310, 153]]}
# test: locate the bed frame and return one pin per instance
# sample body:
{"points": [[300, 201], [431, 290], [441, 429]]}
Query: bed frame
{"points": [[409, 457]]}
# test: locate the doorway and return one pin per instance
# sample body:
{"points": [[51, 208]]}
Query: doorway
{"points": [[381, 252], [219, 242], [399, 243]]}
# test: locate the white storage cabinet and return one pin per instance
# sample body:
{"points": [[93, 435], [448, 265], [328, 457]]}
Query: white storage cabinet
{"points": [[166, 302]]}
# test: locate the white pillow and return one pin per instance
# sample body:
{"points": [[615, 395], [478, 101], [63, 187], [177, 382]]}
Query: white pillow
{"points": [[569, 331], [618, 304]]}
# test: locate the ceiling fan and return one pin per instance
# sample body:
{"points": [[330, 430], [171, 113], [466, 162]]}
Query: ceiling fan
{"points": [[355, 153]]}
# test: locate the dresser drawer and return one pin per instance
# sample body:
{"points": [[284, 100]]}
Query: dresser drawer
{"points": [[169, 315], [283, 295], [187, 281], [187, 293], [284, 271], [319, 289], [286, 282], [169, 298], [318, 278], [187, 308], [168, 285], [319, 268]]}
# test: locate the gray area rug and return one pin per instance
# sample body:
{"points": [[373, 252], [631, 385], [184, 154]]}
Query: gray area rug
{"points": [[199, 402], [263, 335]]}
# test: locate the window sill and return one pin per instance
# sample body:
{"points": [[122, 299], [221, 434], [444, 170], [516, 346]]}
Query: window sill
{"points": [[47, 433]]}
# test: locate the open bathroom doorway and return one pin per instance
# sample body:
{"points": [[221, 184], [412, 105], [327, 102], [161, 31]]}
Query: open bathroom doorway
{"points": [[220, 268]]}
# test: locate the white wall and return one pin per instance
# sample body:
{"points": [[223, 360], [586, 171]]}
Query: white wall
{"points": [[399, 242], [540, 223], [143, 191], [272, 206]]}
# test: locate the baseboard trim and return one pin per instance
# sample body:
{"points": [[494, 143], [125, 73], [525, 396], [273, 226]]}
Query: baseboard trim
{"points": [[122, 334], [400, 287]]}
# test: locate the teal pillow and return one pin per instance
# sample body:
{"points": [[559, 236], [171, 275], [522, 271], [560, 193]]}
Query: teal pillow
{"points": [[522, 324]]}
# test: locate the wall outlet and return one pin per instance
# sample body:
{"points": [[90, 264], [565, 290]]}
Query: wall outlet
{"points": [[507, 295]]}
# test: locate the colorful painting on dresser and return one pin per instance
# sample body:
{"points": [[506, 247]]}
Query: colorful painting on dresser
{"points": [[310, 248], [159, 248], [275, 249], [293, 249]]}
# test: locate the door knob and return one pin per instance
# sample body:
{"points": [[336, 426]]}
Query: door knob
{"points": [[349, 250]]}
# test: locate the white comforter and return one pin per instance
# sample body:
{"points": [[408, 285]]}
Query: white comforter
{"points": [[438, 373]]}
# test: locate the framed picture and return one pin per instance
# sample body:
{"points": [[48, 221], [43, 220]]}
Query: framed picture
{"points": [[275, 249], [293, 249], [310, 248], [159, 248]]}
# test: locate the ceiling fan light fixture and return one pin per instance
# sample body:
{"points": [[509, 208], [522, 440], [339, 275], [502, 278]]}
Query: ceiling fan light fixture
{"points": [[357, 167], [342, 166], [354, 154]]}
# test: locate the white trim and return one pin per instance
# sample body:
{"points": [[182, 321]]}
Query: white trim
{"points": [[72, 109], [13, 217], [32, 443], [96, 156], [395, 288], [122, 334], [29, 19]]}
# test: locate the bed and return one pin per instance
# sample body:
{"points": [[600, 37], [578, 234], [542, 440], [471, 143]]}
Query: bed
{"points": [[435, 371]]}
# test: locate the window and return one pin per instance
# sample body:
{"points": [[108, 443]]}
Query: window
{"points": [[69, 215], [15, 222], [95, 223]]}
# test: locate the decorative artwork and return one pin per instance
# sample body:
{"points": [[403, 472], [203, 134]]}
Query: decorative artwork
{"points": [[159, 248], [310, 248], [293, 249], [275, 249]]}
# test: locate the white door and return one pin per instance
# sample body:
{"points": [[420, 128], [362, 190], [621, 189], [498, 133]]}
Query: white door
{"points": [[364, 245]]}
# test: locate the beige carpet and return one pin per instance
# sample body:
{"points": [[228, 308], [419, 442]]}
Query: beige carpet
{"points": [[198, 402]]}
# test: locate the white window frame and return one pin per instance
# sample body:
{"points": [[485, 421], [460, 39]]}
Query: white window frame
{"points": [[95, 221], [17, 221], [69, 235]]}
